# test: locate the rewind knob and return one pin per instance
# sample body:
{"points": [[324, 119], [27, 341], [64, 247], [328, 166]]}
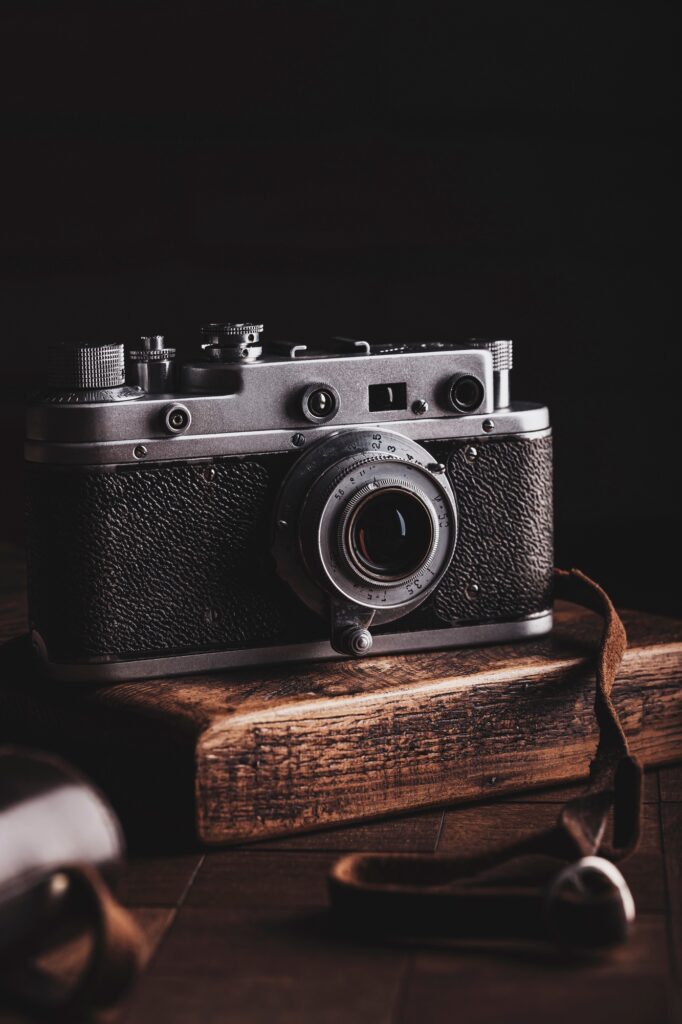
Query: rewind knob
{"points": [[88, 373]]}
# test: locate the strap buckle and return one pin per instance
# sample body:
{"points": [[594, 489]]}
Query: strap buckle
{"points": [[589, 905]]}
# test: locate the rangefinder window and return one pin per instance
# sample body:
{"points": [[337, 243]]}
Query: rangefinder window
{"points": [[383, 397]]}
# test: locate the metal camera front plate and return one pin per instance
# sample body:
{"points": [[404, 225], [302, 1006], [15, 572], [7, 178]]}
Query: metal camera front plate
{"points": [[261, 408], [316, 495]]}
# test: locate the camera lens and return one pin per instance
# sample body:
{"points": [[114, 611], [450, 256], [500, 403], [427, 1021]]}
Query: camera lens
{"points": [[466, 393], [390, 534], [363, 521], [320, 402]]}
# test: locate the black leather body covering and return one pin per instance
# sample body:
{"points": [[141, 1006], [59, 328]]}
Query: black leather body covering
{"points": [[166, 558]]}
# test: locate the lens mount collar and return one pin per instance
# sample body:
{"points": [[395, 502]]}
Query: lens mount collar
{"points": [[313, 504]]}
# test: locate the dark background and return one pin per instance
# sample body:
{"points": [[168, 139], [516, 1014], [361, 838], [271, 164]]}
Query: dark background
{"points": [[419, 170]]}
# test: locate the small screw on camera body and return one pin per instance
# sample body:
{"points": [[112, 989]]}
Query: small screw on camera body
{"points": [[298, 440], [357, 642], [420, 407], [139, 451]]}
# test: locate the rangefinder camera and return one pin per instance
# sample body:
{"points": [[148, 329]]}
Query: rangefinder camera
{"points": [[272, 502]]}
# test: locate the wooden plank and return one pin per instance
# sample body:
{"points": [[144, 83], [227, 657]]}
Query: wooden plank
{"points": [[218, 971], [235, 757], [155, 923], [671, 784], [671, 819], [629, 986], [234, 880], [253, 943], [414, 833], [158, 881]]}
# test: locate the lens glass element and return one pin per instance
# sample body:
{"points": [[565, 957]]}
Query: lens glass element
{"points": [[390, 534], [321, 402]]}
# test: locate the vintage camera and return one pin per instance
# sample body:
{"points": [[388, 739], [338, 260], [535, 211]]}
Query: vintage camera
{"points": [[282, 503]]}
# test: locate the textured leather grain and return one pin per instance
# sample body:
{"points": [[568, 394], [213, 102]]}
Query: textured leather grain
{"points": [[162, 558], [502, 568], [138, 560]]}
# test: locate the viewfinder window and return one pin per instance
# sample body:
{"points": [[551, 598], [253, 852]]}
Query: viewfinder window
{"points": [[383, 397]]}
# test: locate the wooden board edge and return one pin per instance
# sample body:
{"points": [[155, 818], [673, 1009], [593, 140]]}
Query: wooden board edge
{"points": [[649, 697]]}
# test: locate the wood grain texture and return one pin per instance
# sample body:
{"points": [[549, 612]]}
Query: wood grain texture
{"points": [[358, 740], [243, 756]]}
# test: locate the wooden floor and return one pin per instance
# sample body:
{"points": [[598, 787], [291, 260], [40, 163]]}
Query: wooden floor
{"points": [[242, 935]]}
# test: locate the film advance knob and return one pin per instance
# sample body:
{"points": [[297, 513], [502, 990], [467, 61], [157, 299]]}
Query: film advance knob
{"points": [[86, 367]]}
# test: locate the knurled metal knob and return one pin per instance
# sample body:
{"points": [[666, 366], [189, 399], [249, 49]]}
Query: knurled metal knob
{"points": [[151, 365], [151, 349], [232, 342], [232, 330], [78, 367], [502, 351]]}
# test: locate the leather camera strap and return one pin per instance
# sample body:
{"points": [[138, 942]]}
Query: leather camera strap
{"points": [[77, 983], [559, 885]]}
